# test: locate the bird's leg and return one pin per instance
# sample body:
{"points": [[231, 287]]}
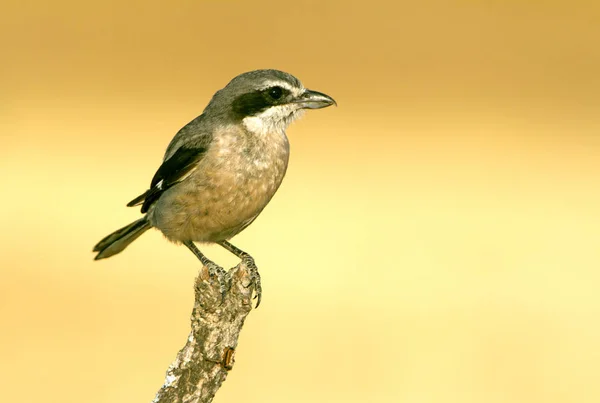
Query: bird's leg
{"points": [[250, 265], [214, 270]]}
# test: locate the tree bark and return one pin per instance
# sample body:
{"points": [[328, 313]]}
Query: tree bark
{"points": [[202, 365]]}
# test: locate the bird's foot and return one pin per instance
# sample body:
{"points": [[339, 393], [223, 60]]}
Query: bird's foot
{"points": [[220, 275], [254, 277]]}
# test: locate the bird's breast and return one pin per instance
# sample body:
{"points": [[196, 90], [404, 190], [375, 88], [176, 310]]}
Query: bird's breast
{"points": [[247, 167], [229, 188]]}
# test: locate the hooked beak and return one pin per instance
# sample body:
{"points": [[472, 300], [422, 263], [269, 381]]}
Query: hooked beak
{"points": [[314, 100]]}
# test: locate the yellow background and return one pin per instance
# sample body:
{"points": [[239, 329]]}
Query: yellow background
{"points": [[437, 238]]}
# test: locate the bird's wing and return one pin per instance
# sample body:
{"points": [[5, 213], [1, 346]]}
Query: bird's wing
{"points": [[172, 171]]}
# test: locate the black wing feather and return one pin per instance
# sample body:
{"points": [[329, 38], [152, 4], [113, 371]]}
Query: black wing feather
{"points": [[138, 200], [169, 173]]}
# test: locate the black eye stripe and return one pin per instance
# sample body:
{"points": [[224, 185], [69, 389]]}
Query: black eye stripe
{"points": [[250, 104], [255, 102]]}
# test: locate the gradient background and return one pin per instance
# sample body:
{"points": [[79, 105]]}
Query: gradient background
{"points": [[436, 238]]}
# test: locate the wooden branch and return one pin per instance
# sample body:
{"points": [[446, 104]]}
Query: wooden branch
{"points": [[202, 365]]}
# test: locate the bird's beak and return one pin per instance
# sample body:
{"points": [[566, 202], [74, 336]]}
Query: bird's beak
{"points": [[314, 100]]}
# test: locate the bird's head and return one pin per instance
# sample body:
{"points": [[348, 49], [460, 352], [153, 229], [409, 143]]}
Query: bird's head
{"points": [[266, 101]]}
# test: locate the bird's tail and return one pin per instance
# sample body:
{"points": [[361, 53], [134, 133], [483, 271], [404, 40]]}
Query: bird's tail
{"points": [[121, 238]]}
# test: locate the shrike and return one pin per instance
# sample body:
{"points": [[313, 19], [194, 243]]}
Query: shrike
{"points": [[221, 169]]}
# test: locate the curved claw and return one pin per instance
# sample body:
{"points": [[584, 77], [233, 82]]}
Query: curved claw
{"points": [[254, 278]]}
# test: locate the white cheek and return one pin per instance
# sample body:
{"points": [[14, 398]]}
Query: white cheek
{"points": [[274, 119]]}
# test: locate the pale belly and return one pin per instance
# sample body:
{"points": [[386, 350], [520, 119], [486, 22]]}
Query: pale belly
{"points": [[220, 198]]}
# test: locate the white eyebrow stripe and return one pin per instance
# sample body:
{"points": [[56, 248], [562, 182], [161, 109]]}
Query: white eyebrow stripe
{"points": [[282, 84]]}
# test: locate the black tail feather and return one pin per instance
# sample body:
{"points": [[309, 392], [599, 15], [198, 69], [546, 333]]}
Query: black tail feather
{"points": [[120, 239]]}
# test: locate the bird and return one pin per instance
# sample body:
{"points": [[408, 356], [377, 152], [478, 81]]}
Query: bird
{"points": [[222, 168]]}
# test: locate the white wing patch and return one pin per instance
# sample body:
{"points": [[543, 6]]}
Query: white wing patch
{"points": [[161, 183]]}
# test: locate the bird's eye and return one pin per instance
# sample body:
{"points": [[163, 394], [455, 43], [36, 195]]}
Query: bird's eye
{"points": [[276, 92]]}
